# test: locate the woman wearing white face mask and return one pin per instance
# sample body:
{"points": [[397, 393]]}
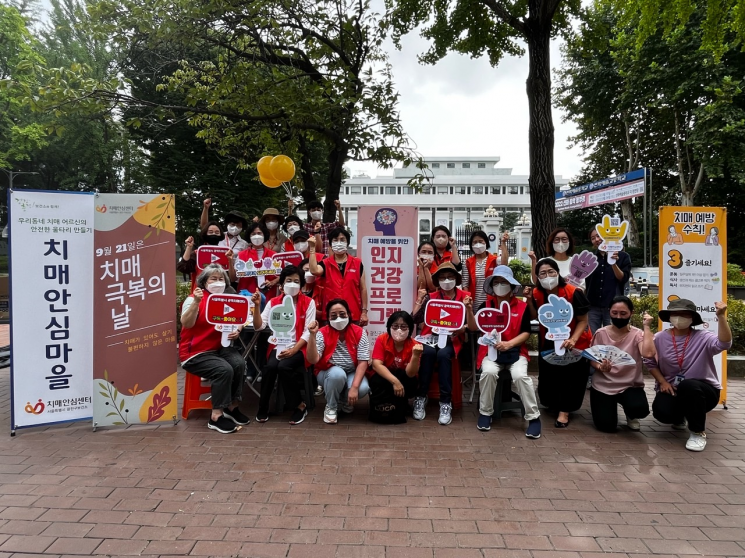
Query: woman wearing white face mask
{"points": [[235, 223], [560, 247], [446, 278], [316, 226], [478, 267], [202, 354], [343, 275], [446, 249], [289, 363], [681, 359], [258, 235], [313, 288], [426, 253], [272, 220], [561, 388], [513, 353], [340, 352]]}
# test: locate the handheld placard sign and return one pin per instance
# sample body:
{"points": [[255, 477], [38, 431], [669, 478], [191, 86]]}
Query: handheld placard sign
{"points": [[207, 255], [288, 258], [581, 266], [281, 322], [444, 317], [569, 357], [556, 316], [226, 312], [612, 230], [492, 322]]}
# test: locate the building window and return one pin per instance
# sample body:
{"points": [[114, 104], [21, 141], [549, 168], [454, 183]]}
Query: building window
{"points": [[460, 189], [347, 189], [482, 165], [442, 189], [435, 165], [356, 189], [426, 190], [372, 190], [521, 189], [478, 190], [496, 190], [514, 189], [390, 190], [424, 225], [466, 165], [408, 190], [451, 165]]}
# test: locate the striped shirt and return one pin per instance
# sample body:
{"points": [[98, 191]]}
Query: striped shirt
{"points": [[341, 356], [480, 295]]}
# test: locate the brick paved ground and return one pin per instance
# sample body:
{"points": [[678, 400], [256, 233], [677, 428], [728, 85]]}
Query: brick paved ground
{"points": [[356, 489]]}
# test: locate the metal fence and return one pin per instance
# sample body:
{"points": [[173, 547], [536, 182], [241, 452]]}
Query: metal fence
{"points": [[463, 234]]}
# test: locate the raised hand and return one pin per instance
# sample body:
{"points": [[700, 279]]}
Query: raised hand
{"points": [[290, 204], [721, 308], [207, 203], [647, 319], [453, 244], [190, 242], [505, 237], [417, 350], [312, 242], [256, 299], [468, 301], [198, 294], [313, 328], [532, 257], [337, 204]]}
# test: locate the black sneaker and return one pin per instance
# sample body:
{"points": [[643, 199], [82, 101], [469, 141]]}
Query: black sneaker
{"points": [[298, 415], [236, 416], [262, 416], [223, 425]]}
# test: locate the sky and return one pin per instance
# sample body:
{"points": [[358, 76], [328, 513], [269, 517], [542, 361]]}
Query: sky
{"points": [[465, 107]]}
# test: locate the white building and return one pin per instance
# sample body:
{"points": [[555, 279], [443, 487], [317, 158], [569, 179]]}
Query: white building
{"points": [[462, 189]]}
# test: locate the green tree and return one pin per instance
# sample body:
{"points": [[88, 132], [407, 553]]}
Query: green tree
{"points": [[498, 28]]}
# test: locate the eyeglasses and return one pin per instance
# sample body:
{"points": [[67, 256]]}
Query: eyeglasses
{"points": [[561, 239], [334, 316], [550, 273], [400, 327]]}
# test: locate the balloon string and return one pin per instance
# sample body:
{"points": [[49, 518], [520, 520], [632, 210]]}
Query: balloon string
{"points": [[288, 190]]}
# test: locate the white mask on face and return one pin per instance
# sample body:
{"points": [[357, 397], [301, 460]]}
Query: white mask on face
{"points": [[217, 287], [549, 283], [292, 229], [427, 258], [309, 277], [399, 335], [339, 247], [233, 230], [272, 225], [301, 246], [478, 248], [257, 239], [681, 322], [339, 323], [441, 242], [561, 247], [447, 284], [502, 289], [317, 215], [291, 289]]}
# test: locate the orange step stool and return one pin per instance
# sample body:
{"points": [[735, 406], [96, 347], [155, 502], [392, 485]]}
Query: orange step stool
{"points": [[434, 387], [193, 390]]}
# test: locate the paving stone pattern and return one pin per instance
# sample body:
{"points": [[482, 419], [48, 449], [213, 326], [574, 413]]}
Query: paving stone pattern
{"points": [[356, 489]]}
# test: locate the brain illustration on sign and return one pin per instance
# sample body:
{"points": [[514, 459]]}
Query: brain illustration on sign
{"points": [[385, 221], [555, 317], [282, 317], [494, 319]]}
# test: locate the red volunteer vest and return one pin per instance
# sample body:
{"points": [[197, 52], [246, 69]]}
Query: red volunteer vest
{"points": [[393, 360], [301, 310], [567, 292], [250, 283], [447, 256], [345, 286], [289, 246], [517, 309], [460, 295], [491, 263], [199, 338], [331, 338], [317, 295]]}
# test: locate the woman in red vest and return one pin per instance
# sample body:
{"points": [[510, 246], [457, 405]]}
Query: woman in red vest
{"points": [[561, 388], [292, 224], [341, 353], [289, 362], [257, 236], [344, 275], [447, 250], [395, 361], [445, 279], [210, 235], [479, 267], [425, 262], [202, 354], [512, 352]]}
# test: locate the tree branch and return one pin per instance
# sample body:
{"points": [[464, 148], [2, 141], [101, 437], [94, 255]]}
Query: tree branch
{"points": [[699, 182], [679, 155], [503, 13]]}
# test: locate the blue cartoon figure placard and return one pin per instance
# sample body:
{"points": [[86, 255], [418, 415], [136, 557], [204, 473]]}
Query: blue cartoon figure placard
{"points": [[556, 316]]}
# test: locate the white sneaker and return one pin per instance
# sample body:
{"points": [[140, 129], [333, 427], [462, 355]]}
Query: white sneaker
{"points": [[682, 426], [419, 408], [329, 415], [633, 424], [696, 441], [445, 413], [319, 390], [347, 408]]}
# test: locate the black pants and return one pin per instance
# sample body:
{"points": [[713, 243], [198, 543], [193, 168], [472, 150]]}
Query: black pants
{"points": [[290, 372], [224, 369], [562, 388], [444, 360], [379, 385], [692, 400], [604, 407]]}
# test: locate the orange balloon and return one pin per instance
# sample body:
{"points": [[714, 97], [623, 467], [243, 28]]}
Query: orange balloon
{"points": [[263, 167], [269, 183], [282, 168]]}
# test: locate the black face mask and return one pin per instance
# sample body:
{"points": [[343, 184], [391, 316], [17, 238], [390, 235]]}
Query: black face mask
{"points": [[620, 323], [212, 239]]}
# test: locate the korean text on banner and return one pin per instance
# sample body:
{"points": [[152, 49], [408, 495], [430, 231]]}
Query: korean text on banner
{"points": [[693, 265], [51, 251], [135, 313], [388, 252]]}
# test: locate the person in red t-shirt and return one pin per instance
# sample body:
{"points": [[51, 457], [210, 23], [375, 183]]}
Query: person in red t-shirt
{"points": [[395, 359]]}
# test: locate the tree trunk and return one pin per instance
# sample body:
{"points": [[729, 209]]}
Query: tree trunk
{"points": [[336, 158], [632, 235], [306, 171], [540, 134]]}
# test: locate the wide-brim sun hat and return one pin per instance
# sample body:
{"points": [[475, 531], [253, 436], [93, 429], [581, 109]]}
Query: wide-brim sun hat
{"points": [[682, 305], [447, 266], [504, 272], [271, 212]]}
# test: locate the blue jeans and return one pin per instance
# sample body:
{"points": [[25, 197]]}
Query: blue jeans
{"points": [[598, 318], [336, 384], [443, 358]]}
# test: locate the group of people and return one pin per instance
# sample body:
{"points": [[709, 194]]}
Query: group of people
{"points": [[329, 297]]}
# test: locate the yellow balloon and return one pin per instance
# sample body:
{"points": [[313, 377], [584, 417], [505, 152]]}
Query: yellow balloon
{"points": [[263, 167], [269, 183], [282, 168]]}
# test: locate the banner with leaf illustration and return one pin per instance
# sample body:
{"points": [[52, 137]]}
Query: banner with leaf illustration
{"points": [[134, 325]]}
